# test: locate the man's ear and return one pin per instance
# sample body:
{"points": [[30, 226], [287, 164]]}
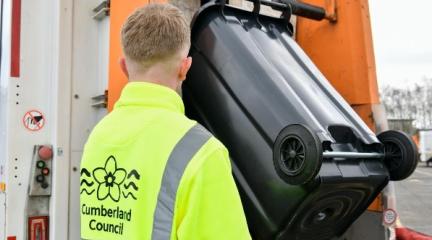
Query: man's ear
{"points": [[123, 66], [184, 69]]}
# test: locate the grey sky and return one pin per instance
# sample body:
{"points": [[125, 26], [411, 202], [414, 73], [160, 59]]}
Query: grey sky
{"points": [[402, 32]]}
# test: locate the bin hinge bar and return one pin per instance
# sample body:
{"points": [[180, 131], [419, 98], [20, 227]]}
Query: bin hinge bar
{"points": [[352, 155]]}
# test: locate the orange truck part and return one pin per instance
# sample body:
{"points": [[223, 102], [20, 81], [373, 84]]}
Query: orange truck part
{"points": [[343, 51], [119, 11]]}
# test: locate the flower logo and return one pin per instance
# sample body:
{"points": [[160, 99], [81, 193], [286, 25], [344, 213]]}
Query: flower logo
{"points": [[112, 182], [109, 179]]}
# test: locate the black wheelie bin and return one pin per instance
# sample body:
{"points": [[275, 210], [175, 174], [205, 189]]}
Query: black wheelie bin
{"points": [[305, 164]]}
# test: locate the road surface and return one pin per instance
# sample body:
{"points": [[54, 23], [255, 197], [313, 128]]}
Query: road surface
{"points": [[414, 200]]}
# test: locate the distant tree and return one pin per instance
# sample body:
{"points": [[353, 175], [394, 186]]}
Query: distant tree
{"points": [[410, 103]]}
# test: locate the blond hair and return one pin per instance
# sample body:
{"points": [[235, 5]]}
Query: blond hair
{"points": [[156, 32]]}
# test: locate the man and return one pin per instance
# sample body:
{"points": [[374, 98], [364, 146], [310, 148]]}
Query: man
{"points": [[147, 171]]}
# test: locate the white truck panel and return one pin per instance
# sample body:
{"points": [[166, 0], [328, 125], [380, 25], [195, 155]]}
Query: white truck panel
{"points": [[62, 91], [4, 82], [89, 79], [31, 91], [64, 52], [425, 144]]}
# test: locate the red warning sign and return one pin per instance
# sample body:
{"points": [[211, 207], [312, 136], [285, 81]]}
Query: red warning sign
{"points": [[33, 120]]}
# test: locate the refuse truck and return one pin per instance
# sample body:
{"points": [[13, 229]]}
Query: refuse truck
{"points": [[297, 121]]}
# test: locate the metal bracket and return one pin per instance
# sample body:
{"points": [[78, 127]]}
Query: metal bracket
{"points": [[286, 14], [100, 101], [256, 10], [102, 10], [330, 7], [297, 8], [257, 7]]}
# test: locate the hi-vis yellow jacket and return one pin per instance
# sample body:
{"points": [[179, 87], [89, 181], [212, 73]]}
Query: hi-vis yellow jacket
{"points": [[148, 172]]}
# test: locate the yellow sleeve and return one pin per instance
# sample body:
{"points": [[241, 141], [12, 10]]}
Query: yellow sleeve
{"points": [[211, 206]]}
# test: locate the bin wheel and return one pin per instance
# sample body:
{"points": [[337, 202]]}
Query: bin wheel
{"points": [[297, 154], [401, 156]]}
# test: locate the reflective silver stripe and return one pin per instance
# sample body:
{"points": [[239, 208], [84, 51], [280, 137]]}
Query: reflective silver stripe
{"points": [[183, 152]]}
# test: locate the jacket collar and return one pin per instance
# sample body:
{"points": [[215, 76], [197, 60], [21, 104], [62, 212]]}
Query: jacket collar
{"points": [[150, 95]]}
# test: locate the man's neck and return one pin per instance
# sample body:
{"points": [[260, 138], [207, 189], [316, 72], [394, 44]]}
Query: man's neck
{"points": [[156, 76]]}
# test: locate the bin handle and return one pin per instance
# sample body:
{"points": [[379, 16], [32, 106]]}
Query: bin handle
{"points": [[256, 10], [222, 4], [287, 14]]}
